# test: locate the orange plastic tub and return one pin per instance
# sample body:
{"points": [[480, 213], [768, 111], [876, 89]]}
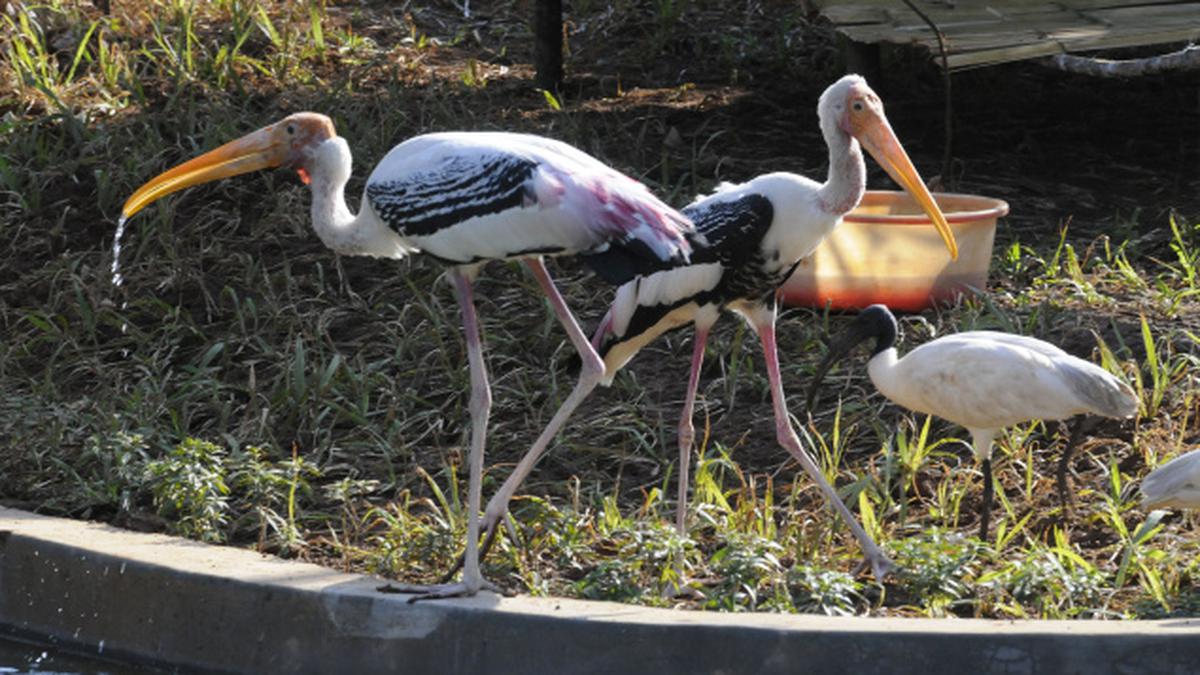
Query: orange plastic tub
{"points": [[886, 251]]}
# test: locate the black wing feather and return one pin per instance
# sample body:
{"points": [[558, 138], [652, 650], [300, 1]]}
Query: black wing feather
{"points": [[456, 190], [729, 232]]}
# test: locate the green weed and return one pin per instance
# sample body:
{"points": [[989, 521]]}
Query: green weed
{"points": [[938, 568], [189, 484]]}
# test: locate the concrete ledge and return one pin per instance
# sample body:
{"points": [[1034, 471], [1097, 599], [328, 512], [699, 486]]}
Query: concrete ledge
{"points": [[211, 608]]}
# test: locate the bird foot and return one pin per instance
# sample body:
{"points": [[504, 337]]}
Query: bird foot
{"points": [[458, 589], [881, 565], [682, 591]]}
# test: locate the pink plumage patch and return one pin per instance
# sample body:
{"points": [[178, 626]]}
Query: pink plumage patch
{"points": [[630, 212]]}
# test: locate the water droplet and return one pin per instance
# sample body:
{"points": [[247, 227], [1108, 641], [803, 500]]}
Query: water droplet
{"points": [[117, 278], [100, 648], [122, 571]]}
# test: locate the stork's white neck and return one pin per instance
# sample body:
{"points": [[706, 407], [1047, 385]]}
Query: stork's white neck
{"points": [[338, 228], [329, 170], [847, 180]]}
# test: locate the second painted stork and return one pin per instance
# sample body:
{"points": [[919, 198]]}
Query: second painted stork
{"points": [[749, 238], [1175, 484], [984, 381], [463, 198]]}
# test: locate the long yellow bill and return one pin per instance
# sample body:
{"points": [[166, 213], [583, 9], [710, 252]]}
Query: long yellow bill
{"points": [[879, 140], [258, 150]]}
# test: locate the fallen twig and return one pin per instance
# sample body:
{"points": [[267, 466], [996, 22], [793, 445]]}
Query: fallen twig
{"points": [[1185, 59]]}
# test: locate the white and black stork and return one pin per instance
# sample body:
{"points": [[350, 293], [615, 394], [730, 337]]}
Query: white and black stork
{"points": [[749, 238], [984, 381], [463, 198]]}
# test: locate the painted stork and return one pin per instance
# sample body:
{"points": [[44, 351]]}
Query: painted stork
{"points": [[749, 238], [462, 198], [984, 381], [1175, 484]]}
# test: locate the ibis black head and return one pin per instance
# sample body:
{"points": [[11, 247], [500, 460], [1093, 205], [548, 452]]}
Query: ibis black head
{"points": [[876, 322]]}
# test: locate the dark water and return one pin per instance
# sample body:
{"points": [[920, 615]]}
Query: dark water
{"points": [[18, 657]]}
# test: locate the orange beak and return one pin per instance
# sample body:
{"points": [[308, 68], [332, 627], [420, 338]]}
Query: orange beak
{"points": [[258, 150], [876, 135]]}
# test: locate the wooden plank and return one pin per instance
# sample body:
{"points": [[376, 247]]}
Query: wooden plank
{"points": [[1098, 4], [826, 7], [982, 32], [1113, 39], [1184, 12], [898, 14], [956, 42], [1060, 25], [990, 57], [885, 11], [1120, 38], [966, 29], [973, 37], [855, 14]]}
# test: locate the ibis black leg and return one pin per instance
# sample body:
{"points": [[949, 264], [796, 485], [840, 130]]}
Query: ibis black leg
{"points": [[985, 509], [1081, 426]]}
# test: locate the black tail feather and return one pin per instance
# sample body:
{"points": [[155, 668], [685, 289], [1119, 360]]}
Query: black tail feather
{"points": [[623, 261]]}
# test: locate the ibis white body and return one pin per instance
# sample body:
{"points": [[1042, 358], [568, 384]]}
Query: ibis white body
{"points": [[1175, 484], [986, 381]]}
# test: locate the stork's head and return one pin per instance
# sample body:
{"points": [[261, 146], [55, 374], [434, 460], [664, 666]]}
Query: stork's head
{"points": [[849, 106], [290, 142]]}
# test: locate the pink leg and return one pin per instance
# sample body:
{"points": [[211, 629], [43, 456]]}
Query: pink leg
{"points": [[602, 330], [590, 373], [687, 432], [480, 407], [765, 325]]}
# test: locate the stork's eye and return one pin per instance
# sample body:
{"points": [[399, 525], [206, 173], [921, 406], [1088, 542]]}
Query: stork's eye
{"points": [[291, 129], [858, 106]]}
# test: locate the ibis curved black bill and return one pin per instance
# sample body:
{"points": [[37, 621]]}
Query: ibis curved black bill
{"points": [[876, 322]]}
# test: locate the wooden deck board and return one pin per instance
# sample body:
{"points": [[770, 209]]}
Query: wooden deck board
{"points": [[979, 32]]}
